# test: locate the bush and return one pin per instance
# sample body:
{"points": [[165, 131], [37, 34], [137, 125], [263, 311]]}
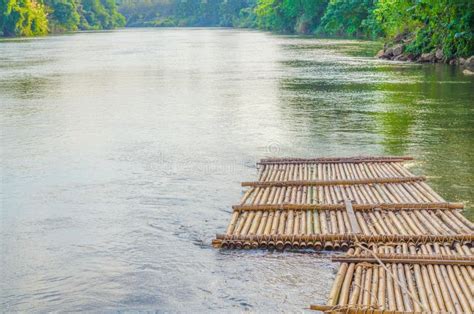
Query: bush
{"points": [[444, 24]]}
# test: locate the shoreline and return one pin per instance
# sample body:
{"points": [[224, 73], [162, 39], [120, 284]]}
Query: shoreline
{"points": [[397, 51]]}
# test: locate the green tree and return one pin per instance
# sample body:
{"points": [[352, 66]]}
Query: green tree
{"points": [[352, 18], [189, 12], [247, 17], [63, 15], [100, 14], [301, 16], [148, 12], [230, 11], [23, 18]]}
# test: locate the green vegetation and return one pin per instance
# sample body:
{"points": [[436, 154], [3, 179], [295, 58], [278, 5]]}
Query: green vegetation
{"points": [[165, 13], [348, 18], [38, 17], [423, 25], [300, 16], [100, 14], [430, 24], [351, 18], [63, 15], [23, 18]]}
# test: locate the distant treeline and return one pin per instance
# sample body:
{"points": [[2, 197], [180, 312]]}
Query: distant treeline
{"points": [[423, 25], [39, 17], [169, 13]]}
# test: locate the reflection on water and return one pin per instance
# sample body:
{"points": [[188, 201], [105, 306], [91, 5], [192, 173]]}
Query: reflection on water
{"points": [[122, 152]]}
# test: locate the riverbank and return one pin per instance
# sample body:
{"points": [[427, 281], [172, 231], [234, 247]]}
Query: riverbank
{"points": [[392, 53], [398, 50]]}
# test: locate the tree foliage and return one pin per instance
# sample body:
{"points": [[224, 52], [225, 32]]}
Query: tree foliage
{"points": [[300, 16], [226, 13], [23, 18], [429, 24], [445, 24], [35, 17], [100, 14], [353, 18], [63, 15]]}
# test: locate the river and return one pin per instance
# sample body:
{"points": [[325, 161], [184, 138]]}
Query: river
{"points": [[122, 153]]}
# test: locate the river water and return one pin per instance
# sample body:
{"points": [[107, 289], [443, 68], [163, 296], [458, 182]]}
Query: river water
{"points": [[122, 152]]}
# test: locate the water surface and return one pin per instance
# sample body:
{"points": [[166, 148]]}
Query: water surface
{"points": [[122, 152]]}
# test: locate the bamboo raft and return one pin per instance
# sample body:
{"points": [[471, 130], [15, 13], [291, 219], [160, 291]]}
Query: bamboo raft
{"points": [[408, 250], [404, 279]]}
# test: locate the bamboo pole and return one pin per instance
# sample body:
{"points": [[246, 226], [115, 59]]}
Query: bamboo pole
{"points": [[336, 287], [411, 285], [344, 296], [358, 207], [332, 182], [408, 259], [381, 293], [328, 238], [363, 238], [330, 160], [355, 310]]}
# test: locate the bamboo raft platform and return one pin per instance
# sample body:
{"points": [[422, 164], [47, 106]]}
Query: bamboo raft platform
{"points": [[407, 249]]}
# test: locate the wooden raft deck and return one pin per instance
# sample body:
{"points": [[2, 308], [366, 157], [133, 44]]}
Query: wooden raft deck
{"points": [[408, 249]]}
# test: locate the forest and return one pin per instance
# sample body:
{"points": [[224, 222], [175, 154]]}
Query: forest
{"points": [[423, 25], [40, 17]]}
